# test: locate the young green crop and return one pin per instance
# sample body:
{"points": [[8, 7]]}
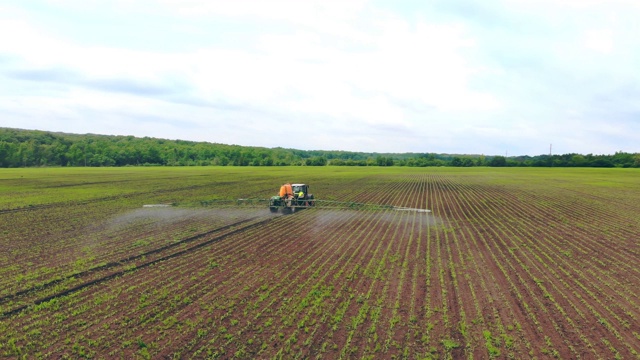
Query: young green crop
{"points": [[504, 266]]}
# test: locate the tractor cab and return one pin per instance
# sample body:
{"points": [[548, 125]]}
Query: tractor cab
{"points": [[300, 190]]}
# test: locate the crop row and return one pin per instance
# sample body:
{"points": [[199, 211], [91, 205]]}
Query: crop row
{"points": [[130, 242], [496, 270], [538, 265]]}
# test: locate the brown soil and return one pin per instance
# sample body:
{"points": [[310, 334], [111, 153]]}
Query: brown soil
{"points": [[493, 271]]}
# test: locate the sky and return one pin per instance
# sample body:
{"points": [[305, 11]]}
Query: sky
{"points": [[521, 77]]}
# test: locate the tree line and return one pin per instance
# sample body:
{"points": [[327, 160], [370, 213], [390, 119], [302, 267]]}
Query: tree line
{"points": [[34, 148]]}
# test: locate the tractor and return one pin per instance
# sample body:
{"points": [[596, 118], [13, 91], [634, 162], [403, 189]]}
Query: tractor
{"points": [[292, 197]]}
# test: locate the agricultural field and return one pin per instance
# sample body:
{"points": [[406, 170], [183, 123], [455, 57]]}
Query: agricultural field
{"points": [[510, 263]]}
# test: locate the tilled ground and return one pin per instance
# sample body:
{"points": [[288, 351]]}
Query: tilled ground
{"points": [[516, 270]]}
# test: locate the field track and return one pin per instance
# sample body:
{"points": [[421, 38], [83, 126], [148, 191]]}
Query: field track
{"points": [[128, 264], [510, 263]]}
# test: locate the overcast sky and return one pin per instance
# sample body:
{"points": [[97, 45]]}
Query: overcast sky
{"points": [[478, 77]]}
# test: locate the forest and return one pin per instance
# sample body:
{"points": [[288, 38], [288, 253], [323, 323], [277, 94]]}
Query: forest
{"points": [[35, 148]]}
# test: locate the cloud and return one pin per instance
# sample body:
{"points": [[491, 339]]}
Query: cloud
{"points": [[459, 77], [70, 77], [48, 75]]}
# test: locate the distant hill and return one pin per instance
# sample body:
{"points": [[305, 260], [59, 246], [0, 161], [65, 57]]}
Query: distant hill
{"points": [[33, 148]]}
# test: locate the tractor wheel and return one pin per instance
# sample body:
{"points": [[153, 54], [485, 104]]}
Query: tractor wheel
{"points": [[273, 209]]}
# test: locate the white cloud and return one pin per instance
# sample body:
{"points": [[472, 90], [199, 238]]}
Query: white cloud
{"points": [[444, 78], [599, 40]]}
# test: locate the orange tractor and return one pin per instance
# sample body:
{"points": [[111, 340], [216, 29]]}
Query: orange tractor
{"points": [[291, 198]]}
